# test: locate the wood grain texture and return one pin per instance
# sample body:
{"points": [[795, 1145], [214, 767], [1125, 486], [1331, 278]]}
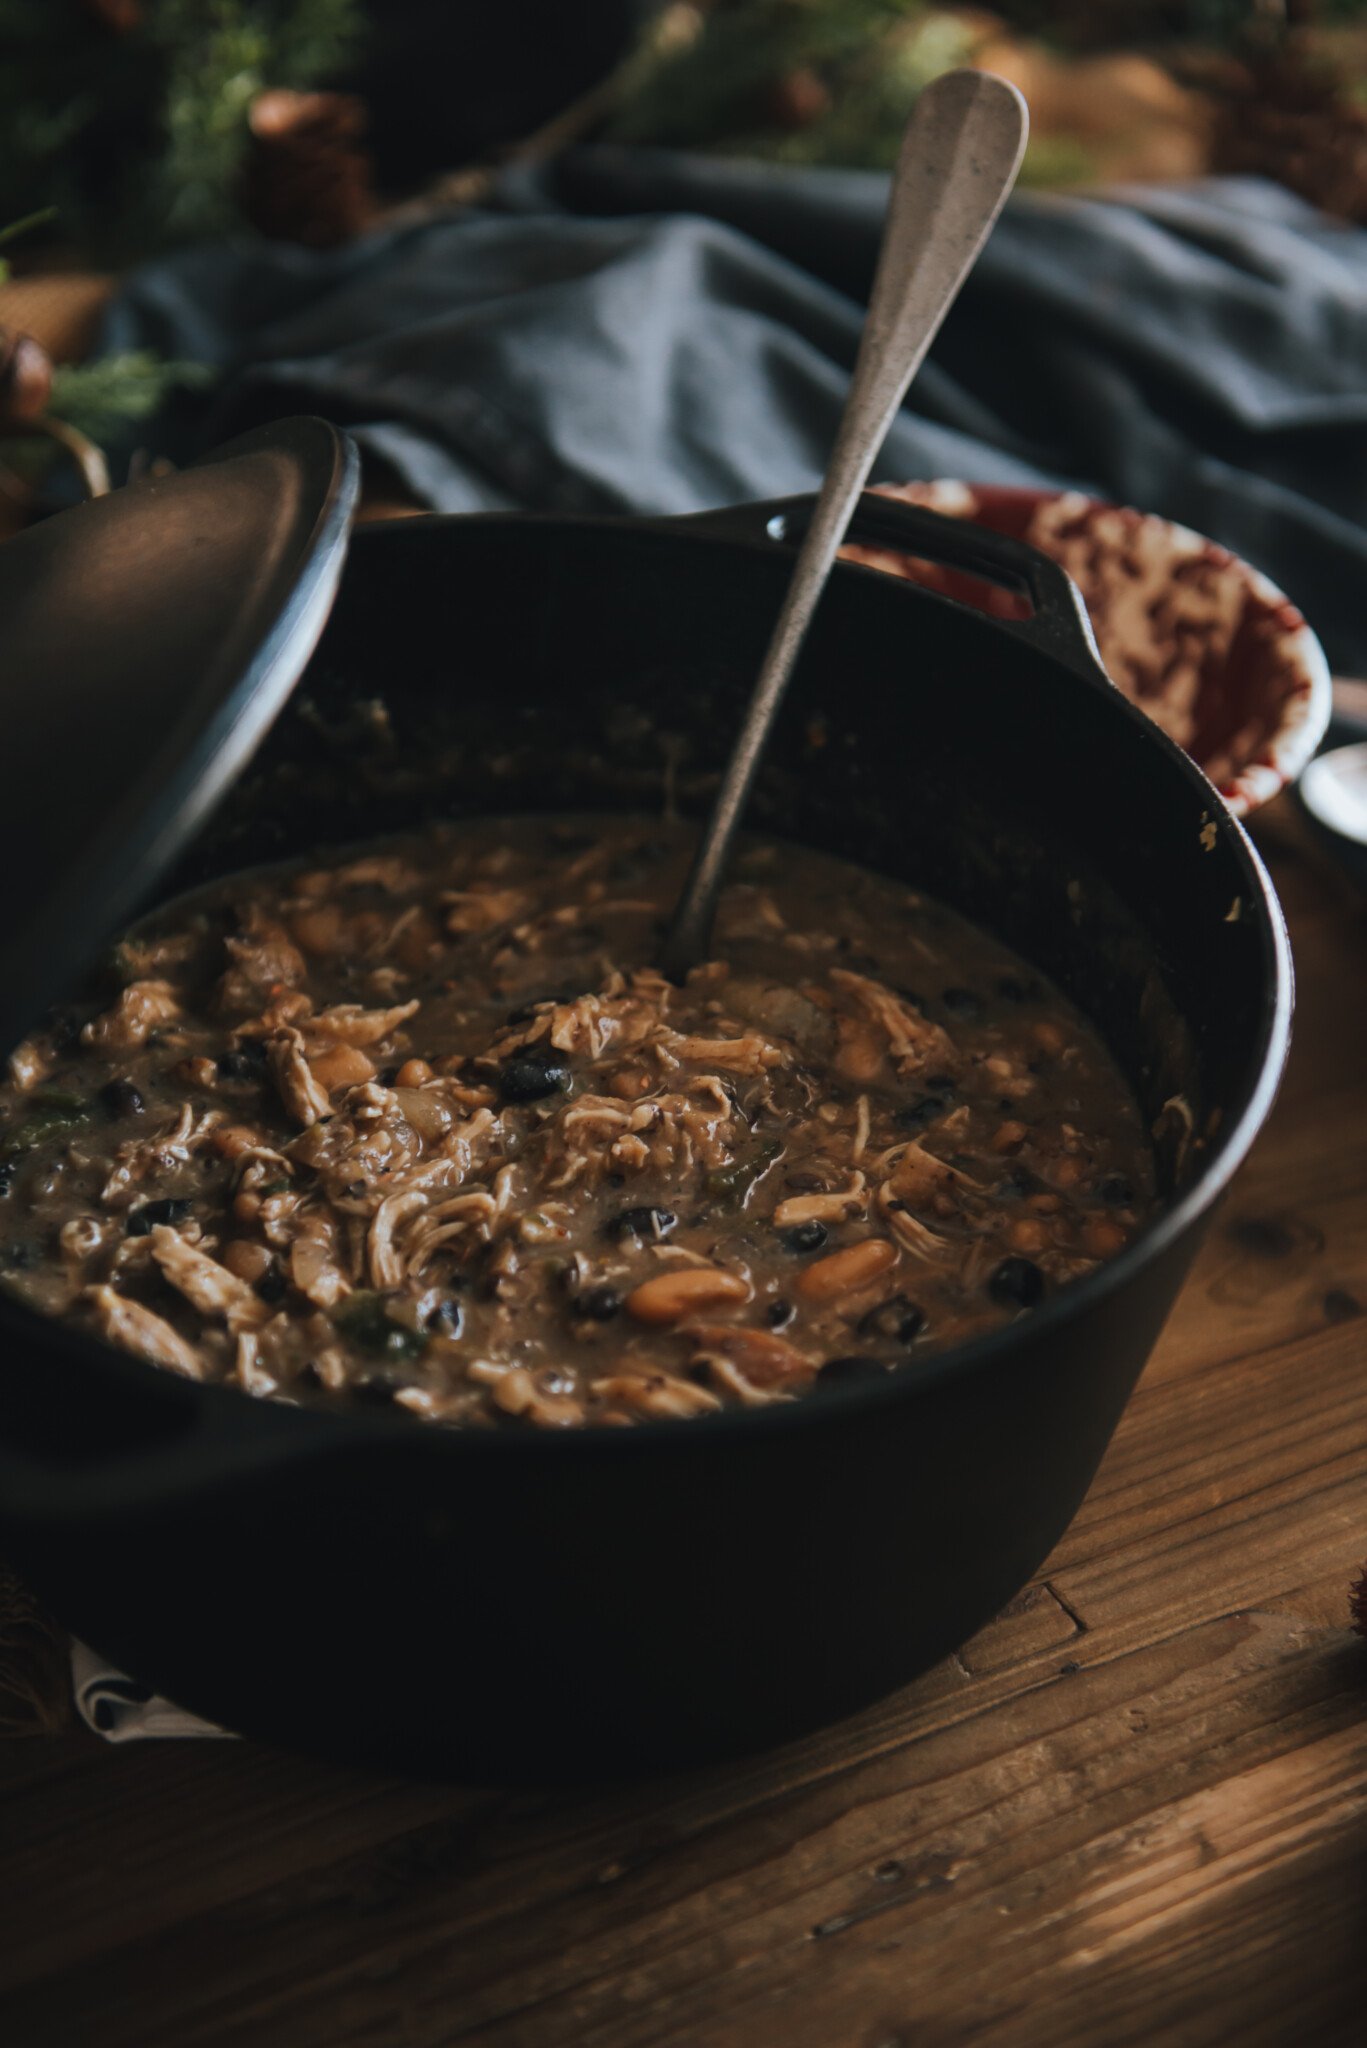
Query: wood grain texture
{"points": [[1132, 1810]]}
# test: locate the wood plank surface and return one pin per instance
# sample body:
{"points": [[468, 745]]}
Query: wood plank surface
{"points": [[1132, 1810]]}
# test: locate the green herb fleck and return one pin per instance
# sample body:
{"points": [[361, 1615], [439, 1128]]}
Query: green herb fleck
{"points": [[731, 1185], [362, 1318], [52, 1110]]}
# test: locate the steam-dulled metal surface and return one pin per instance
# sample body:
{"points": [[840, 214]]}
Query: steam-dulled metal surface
{"points": [[149, 637]]}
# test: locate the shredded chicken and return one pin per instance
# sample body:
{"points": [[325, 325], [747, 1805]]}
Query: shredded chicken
{"points": [[352, 1025], [483, 907], [134, 1328], [913, 1235], [140, 1158], [656, 1394], [626, 1011], [264, 960], [472, 1212], [514, 1391], [918, 1177], [915, 1043], [314, 1264], [838, 1207], [303, 1096], [207, 1286], [748, 1055], [248, 1371], [669, 1133], [140, 1010]]}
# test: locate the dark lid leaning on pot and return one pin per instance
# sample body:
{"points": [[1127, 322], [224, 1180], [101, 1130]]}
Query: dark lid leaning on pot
{"points": [[147, 641]]}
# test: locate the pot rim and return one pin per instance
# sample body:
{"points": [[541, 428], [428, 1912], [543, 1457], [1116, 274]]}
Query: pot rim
{"points": [[330, 1428]]}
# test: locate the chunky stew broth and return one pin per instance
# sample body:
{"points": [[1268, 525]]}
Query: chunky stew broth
{"points": [[423, 1127]]}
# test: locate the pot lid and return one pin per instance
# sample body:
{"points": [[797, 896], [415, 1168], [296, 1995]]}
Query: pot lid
{"points": [[147, 641]]}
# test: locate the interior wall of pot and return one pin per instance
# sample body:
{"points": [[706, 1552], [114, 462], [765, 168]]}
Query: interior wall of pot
{"points": [[491, 666]]}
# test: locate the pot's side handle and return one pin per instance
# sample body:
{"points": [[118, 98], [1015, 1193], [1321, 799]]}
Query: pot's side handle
{"points": [[1060, 626], [220, 1438]]}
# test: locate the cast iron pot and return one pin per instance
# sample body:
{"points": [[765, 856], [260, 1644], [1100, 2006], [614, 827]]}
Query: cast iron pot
{"points": [[546, 1607]]}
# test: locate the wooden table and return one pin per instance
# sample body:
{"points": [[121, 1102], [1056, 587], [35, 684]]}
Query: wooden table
{"points": [[1133, 1810]]}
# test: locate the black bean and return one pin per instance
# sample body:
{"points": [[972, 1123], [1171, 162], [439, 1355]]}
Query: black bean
{"points": [[961, 1002], [271, 1285], [121, 1098], [650, 1225], [1016, 1283], [602, 1303], [1016, 1183], [896, 1319], [1116, 1190], [245, 1063], [846, 1372], [447, 1319], [171, 1209], [920, 1114], [528, 1076], [779, 1314], [6, 1177], [805, 1237]]}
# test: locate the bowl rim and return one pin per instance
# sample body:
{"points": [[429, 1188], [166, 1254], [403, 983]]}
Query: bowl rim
{"points": [[1324, 769], [1304, 716]]}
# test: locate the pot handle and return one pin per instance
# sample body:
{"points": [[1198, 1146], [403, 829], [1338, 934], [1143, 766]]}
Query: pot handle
{"points": [[139, 1453], [1060, 626]]}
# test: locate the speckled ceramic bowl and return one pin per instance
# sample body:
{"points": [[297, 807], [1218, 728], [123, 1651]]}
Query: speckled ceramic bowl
{"points": [[1213, 652]]}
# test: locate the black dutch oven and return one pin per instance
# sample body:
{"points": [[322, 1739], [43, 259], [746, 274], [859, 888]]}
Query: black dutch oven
{"points": [[518, 1606]]}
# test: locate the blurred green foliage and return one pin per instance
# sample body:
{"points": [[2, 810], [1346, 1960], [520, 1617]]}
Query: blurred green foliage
{"points": [[833, 81], [105, 397], [134, 137], [796, 81]]}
